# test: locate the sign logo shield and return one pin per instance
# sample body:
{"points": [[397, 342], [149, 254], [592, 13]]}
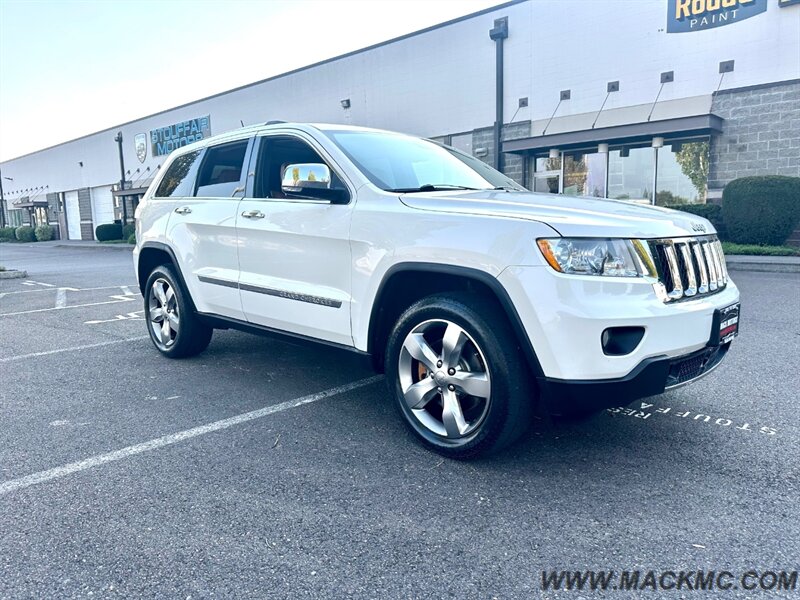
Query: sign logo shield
{"points": [[140, 140]]}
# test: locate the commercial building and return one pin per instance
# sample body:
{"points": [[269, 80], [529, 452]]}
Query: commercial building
{"points": [[660, 101]]}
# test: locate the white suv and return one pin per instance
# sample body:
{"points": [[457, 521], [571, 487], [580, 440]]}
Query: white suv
{"points": [[479, 299]]}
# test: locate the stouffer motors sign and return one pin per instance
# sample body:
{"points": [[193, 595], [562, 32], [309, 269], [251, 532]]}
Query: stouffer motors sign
{"points": [[696, 15], [166, 139]]}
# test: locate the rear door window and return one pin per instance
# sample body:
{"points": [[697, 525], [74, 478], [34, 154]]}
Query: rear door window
{"points": [[179, 179], [221, 172]]}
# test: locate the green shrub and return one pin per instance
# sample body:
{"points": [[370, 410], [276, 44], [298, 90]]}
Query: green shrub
{"points": [[7, 234], [132, 238], [128, 230], [729, 248], [109, 231], [761, 210], [44, 233], [712, 212], [25, 234]]}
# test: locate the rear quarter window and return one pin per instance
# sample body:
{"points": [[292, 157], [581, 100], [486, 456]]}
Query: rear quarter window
{"points": [[178, 180]]}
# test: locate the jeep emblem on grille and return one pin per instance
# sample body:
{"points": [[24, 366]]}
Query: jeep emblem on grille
{"points": [[699, 227]]}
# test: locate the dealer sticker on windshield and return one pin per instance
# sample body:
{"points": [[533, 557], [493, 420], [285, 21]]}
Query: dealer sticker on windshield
{"points": [[728, 319]]}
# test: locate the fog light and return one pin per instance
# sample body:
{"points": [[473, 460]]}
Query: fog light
{"points": [[619, 341]]}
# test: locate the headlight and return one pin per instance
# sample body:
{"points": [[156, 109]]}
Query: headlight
{"points": [[584, 256]]}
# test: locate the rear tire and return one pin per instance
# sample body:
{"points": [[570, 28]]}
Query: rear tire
{"points": [[175, 329], [455, 371]]}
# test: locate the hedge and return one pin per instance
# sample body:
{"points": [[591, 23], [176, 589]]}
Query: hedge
{"points": [[762, 210], [109, 231], [128, 230], [25, 234], [44, 233], [712, 212], [132, 238], [7, 234]]}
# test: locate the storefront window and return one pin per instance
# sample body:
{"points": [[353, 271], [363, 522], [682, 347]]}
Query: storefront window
{"points": [[682, 173], [585, 174], [630, 174], [546, 174]]}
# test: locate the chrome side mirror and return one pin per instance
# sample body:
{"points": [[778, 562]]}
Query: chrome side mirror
{"points": [[300, 177], [312, 181]]}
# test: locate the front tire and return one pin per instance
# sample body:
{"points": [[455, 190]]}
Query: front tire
{"points": [[455, 372], [174, 327]]}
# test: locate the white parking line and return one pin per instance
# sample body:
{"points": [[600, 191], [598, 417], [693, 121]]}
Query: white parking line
{"points": [[70, 289], [67, 289], [61, 298], [100, 459], [6, 359], [118, 300]]}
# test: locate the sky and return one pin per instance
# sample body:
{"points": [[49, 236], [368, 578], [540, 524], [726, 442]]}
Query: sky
{"points": [[71, 68]]}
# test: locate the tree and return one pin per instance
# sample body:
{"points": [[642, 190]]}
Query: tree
{"points": [[693, 159]]}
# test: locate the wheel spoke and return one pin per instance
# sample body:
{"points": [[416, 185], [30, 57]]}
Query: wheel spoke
{"points": [[165, 332], [452, 344], [157, 314], [418, 347], [158, 288], [173, 321], [452, 417], [169, 296], [422, 392], [474, 384]]}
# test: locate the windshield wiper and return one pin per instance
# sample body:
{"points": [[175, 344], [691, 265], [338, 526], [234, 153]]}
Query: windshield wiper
{"points": [[430, 187]]}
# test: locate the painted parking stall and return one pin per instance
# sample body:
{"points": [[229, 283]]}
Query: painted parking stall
{"points": [[288, 461]]}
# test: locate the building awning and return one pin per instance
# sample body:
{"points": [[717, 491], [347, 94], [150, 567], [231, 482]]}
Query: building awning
{"points": [[29, 203], [139, 191], [685, 117]]}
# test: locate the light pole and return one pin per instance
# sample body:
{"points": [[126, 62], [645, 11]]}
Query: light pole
{"points": [[3, 201], [118, 139]]}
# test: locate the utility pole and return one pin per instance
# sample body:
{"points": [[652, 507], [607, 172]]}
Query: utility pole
{"points": [[498, 33], [2, 204], [118, 139]]}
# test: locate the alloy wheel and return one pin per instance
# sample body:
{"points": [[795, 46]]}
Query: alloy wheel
{"points": [[163, 313], [445, 380]]}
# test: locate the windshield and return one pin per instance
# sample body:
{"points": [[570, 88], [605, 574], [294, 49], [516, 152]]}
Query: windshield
{"points": [[401, 163]]}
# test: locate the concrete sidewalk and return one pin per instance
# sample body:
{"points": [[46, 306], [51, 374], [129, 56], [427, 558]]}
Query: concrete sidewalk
{"points": [[90, 244], [774, 264]]}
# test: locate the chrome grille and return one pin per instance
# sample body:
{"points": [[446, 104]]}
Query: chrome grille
{"points": [[689, 267]]}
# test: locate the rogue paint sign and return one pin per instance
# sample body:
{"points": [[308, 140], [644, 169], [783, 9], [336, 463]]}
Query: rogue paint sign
{"points": [[696, 15], [166, 139]]}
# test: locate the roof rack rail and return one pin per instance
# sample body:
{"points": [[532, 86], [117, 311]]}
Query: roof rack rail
{"points": [[275, 122]]}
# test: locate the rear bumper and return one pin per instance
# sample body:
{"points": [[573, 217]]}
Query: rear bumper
{"points": [[651, 377]]}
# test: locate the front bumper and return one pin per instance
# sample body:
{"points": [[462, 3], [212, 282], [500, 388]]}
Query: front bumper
{"points": [[653, 376], [564, 317]]}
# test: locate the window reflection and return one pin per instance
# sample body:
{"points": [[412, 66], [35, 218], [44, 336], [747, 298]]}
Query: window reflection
{"points": [[682, 173], [585, 174], [630, 174]]}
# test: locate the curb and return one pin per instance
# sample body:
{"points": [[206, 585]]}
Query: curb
{"points": [[764, 267], [13, 274], [128, 247]]}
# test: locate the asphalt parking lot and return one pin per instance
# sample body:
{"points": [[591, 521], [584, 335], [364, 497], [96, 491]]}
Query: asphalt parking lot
{"points": [[266, 469]]}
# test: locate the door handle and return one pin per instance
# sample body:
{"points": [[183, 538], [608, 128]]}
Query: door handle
{"points": [[253, 214], [183, 210]]}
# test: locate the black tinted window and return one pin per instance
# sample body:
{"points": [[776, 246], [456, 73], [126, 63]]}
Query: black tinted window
{"points": [[277, 153], [176, 181], [221, 170]]}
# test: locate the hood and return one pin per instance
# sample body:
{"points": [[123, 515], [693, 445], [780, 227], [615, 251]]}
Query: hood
{"points": [[570, 216]]}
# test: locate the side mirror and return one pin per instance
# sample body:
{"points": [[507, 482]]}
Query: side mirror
{"points": [[311, 180]]}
